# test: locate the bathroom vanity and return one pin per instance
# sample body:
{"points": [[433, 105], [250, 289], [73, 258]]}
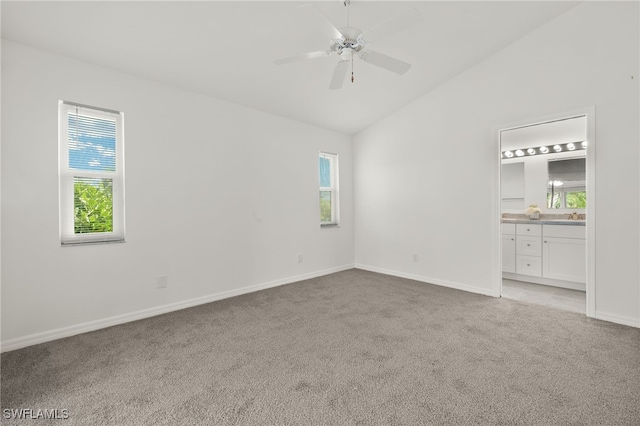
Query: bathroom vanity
{"points": [[550, 252]]}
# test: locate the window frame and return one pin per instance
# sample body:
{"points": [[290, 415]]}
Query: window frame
{"points": [[562, 197], [333, 189], [67, 175]]}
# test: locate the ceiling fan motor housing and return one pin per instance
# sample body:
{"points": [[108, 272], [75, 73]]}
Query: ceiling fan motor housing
{"points": [[351, 43]]}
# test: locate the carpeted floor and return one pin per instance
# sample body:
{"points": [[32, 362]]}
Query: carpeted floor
{"points": [[349, 348]]}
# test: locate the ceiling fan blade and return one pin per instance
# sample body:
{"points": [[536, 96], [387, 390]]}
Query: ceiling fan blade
{"points": [[339, 73], [393, 26], [302, 57], [384, 61], [312, 13]]}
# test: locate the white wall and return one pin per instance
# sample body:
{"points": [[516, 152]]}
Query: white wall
{"points": [[426, 178], [219, 197]]}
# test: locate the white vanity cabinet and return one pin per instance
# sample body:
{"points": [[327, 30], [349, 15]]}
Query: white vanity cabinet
{"points": [[509, 247], [545, 253], [564, 253]]}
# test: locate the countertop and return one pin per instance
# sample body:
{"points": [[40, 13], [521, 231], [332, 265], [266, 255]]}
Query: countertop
{"points": [[547, 221]]}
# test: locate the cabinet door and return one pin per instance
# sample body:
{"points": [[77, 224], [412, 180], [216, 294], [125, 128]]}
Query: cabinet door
{"points": [[564, 259], [512, 180], [509, 253]]}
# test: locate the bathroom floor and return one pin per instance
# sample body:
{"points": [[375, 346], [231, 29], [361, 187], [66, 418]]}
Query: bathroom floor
{"points": [[561, 298]]}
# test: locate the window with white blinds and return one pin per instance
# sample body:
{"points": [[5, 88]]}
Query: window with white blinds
{"points": [[328, 171], [91, 174]]}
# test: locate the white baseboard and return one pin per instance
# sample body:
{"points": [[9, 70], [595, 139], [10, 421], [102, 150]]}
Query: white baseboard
{"points": [[59, 333], [604, 316], [428, 280]]}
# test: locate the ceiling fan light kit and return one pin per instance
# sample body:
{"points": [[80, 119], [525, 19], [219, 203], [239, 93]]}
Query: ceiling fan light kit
{"points": [[347, 42]]}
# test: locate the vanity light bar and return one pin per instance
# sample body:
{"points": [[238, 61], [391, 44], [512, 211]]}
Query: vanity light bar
{"points": [[548, 149]]}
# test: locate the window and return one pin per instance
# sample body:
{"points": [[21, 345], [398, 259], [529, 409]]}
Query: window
{"points": [[91, 175], [570, 198], [328, 168]]}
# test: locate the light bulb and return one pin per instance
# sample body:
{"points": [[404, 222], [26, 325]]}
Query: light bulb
{"points": [[571, 146], [531, 151], [557, 148], [584, 144], [519, 153], [544, 149], [508, 154]]}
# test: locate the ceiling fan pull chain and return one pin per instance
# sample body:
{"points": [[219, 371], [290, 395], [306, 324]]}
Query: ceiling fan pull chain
{"points": [[352, 69]]}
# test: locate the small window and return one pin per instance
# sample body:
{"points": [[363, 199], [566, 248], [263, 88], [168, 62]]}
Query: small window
{"points": [[91, 174], [329, 205], [567, 198]]}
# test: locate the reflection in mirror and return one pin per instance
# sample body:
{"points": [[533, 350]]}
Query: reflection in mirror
{"points": [[512, 181], [567, 184]]}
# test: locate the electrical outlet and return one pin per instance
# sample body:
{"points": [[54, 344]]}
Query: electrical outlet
{"points": [[300, 258], [162, 281], [414, 257]]}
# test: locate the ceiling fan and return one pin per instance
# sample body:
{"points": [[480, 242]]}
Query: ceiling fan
{"points": [[348, 42]]}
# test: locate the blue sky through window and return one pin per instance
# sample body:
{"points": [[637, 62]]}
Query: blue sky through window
{"points": [[92, 143], [325, 172]]}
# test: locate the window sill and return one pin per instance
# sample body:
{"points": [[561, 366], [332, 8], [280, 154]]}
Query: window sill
{"points": [[329, 225], [90, 243]]}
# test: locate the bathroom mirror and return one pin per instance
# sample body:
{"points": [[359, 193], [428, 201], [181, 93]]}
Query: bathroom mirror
{"points": [[566, 185]]}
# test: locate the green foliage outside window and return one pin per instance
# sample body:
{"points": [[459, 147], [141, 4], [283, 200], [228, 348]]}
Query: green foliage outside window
{"points": [[325, 206], [93, 205], [572, 200], [555, 203], [577, 200]]}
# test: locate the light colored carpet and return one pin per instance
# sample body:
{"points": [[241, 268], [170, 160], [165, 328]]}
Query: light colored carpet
{"points": [[349, 348]]}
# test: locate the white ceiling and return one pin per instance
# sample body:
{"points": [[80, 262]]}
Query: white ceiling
{"points": [[226, 49]]}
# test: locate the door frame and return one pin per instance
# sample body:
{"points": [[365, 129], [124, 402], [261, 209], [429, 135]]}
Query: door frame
{"points": [[589, 114]]}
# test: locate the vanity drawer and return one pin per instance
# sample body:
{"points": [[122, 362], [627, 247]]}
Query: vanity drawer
{"points": [[530, 246], [564, 231], [528, 229], [529, 265], [509, 228]]}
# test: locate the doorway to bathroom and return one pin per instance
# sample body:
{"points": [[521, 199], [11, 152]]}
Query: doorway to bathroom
{"points": [[546, 208]]}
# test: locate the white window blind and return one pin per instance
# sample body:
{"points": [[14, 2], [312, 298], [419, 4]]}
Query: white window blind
{"points": [[91, 174], [329, 199]]}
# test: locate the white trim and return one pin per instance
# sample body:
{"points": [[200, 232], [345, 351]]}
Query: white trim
{"points": [[428, 280], [334, 188], [604, 316], [59, 333], [589, 113], [66, 176], [496, 221]]}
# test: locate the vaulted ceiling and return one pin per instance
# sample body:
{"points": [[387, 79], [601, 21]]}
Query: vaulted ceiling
{"points": [[227, 49]]}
